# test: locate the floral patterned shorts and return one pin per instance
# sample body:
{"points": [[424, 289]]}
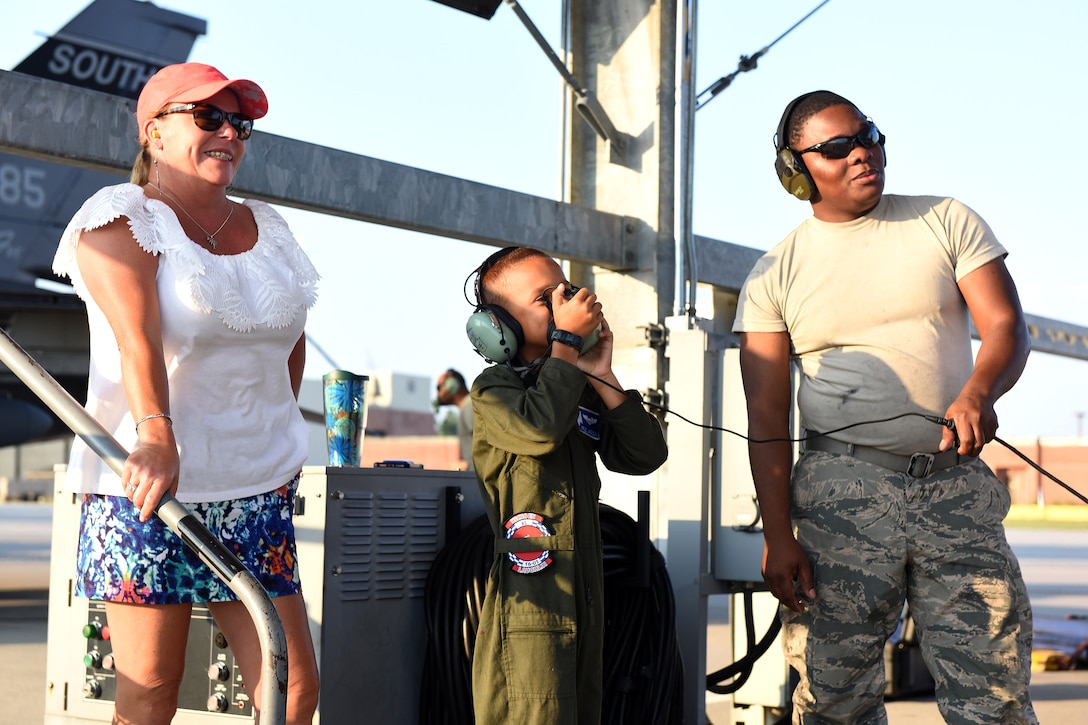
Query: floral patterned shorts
{"points": [[121, 559]]}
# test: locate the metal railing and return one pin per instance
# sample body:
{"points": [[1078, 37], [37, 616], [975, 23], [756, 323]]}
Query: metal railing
{"points": [[210, 550]]}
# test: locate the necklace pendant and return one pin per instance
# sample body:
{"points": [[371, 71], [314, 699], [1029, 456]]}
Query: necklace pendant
{"points": [[212, 242]]}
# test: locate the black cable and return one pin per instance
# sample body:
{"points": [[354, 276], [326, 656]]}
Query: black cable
{"points": [[452, 600], [807, 437], [939, 420], [742, 669], [1042, 470], [643, 674], [748, 63]]}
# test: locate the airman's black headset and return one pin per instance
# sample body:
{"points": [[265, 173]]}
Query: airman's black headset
{"points": [[788, 164]]}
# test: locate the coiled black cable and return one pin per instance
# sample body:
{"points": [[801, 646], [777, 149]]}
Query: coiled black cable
{"points": [[643, 672], [452, 600], [643, 675]]}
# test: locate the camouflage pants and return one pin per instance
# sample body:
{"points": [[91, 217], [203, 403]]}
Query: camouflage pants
{"points": [[874, 537]]}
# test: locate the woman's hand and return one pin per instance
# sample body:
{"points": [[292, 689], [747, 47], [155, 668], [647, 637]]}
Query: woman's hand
{"points": [[152, 469]]}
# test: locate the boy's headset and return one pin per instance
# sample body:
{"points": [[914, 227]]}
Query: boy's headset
{"points": [[451, 385], [492, 330]]}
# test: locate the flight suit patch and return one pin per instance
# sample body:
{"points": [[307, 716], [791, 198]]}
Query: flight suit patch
{"points": [[589, 422], [524, 526]]}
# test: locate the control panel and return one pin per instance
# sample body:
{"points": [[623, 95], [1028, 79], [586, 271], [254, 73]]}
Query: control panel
{"points": [[81, 666], [211, 683]]}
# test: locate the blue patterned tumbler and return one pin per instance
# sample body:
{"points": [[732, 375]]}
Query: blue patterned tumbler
{"points": [[345, 416]]}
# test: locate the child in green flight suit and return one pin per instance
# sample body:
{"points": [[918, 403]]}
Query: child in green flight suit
{"points": [[539, 419]]}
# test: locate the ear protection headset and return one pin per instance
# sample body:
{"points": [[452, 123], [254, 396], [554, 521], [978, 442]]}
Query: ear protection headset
{"points": [[492, 330], [787, 164], [451, 386]]}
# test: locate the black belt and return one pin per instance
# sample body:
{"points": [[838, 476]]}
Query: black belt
{"points": [[917, 465]]}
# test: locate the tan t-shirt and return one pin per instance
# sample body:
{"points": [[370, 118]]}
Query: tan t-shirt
{"points": [[876, 320]]}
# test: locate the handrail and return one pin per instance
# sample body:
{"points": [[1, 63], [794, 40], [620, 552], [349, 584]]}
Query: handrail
{"points": [[210, 550]]}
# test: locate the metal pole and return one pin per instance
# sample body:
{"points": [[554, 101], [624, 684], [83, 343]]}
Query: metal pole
{"points": [[586, 103], [225, 565], [687, 266]]}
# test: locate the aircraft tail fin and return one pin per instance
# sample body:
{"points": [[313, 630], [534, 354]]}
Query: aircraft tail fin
{"points": [[114, 46]]}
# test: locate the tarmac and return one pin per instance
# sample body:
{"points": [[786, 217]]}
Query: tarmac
{"points": [[1055, 565]]}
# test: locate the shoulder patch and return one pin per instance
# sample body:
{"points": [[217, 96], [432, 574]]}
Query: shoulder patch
{"points": [[589, 423]]}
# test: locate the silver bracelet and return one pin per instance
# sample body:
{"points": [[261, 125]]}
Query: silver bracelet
{"points": [[155, 415]]}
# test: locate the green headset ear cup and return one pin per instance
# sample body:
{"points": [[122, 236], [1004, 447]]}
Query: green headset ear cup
{"points": [[787, 163], [494, 333], [450, 385], [591, 339], [793, 174]]}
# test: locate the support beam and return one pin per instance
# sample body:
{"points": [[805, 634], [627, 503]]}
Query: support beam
{"points": [[58, 122], [1056, 337], [622, 51]]}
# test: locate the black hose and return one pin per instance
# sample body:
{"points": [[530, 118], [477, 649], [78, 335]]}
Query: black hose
{"points": [[742, 669], [643, 674]]}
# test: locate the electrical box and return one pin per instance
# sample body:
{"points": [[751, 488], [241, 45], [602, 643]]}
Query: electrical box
{"points": [[366, 539], [737, 523], [737, 526]]}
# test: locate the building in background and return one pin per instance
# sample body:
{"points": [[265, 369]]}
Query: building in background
{"points": [[1064, 458], [400, 422]]}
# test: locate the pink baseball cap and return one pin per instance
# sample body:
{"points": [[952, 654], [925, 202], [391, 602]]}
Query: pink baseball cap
{"points": [[192, 83]]}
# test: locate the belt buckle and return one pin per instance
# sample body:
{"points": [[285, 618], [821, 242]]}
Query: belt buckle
{"points": [[922, 461]]}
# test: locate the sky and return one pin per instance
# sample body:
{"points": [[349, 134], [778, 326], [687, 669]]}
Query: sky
{"points": [[976, 98]]}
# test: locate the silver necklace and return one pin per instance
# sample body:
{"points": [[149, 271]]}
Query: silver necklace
{"points": [[209, 236]]}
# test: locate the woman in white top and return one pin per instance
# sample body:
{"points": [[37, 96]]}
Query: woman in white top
{"points": [[196, 306]]}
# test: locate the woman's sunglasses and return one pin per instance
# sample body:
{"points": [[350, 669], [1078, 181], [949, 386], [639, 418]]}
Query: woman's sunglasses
{"points": [[840, 148], [211, 118]]}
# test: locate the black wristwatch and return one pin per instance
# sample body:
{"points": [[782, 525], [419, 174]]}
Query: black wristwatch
{"points": [[568, 338]]}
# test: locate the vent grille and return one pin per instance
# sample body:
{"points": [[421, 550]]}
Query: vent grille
{"points": [[387, 542]]}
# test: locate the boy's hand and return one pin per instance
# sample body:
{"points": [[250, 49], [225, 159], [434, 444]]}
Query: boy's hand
{"points": [[579, 314], [598, 359], [597, 365]]}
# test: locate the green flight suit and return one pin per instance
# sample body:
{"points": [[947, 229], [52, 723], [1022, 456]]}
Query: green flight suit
{"points": [[538, 654]]}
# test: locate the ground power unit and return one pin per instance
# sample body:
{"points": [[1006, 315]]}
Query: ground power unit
{"points": [[366, 541]]}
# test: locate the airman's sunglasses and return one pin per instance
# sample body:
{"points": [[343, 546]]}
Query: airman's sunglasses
{"points": [[840, 148], [211, 118]]}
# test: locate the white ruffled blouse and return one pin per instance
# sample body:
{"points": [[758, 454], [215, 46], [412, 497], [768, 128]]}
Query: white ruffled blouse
{"points": [[229, 324]]}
